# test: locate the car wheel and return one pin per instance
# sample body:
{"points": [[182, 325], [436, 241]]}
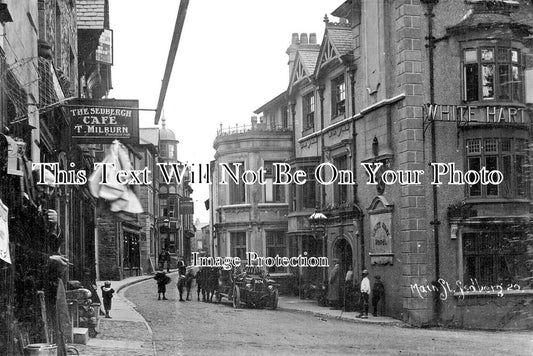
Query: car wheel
{"points": [[236, 297], [274, 300]]}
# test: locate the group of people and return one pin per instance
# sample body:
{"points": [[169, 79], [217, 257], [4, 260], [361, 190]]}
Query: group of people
{"points": [[206, 281], [338, 301]]}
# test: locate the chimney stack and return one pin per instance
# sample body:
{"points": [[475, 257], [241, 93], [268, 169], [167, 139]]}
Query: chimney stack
{"points": [[312, 38], [303, 38], [295, 40]]}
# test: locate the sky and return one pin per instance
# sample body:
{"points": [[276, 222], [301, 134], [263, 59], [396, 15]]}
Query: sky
{"points": [[231, 60]]}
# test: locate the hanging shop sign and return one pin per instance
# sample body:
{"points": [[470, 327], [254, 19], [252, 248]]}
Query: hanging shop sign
{"points": [[4, 234], [105, 120], [464, 114], [104, 51], [186, 207]]}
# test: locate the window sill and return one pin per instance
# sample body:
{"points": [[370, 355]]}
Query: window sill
{"points": [[483, 103], [308, 131], [338, 117], [267, 204], [492, 200], [491, 293]]}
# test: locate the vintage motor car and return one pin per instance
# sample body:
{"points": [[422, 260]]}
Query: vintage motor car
{"points": [[252, 288]]}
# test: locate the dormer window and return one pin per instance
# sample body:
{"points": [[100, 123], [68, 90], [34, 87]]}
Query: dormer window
{"points": [[492, 74]]}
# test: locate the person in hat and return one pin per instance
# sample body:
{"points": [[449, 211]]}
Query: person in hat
{"points": [[365, 294], [107, 295], [39, 263], [335, 286], [378, 292], [162, 280]]}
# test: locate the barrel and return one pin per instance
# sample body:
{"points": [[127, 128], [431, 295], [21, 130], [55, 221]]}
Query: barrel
{"points": [[41, 350]]}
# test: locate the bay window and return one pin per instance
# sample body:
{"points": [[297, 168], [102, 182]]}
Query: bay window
{"points": [[492, 73]]}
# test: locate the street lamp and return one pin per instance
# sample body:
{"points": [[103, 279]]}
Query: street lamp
{"points": [[317, 220], [167, 242]]}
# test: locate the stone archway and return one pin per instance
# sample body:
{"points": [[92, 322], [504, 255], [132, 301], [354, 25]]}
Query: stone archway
{"points": [[342, 250]]}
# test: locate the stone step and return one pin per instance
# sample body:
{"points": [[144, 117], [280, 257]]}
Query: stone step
{"points": [[81, 335]]}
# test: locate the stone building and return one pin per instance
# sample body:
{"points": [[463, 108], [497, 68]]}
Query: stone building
{"points": [[252, 217], [453, 254], [175, 210]]}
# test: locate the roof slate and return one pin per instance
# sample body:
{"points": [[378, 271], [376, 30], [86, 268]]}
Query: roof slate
{"points": [[341, 37], [308, 56], [90, 14]]}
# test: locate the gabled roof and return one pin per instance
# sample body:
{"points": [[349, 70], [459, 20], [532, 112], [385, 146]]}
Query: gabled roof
{"points": [[341, 36], [92, 14], [338, 41], [304, 63]]}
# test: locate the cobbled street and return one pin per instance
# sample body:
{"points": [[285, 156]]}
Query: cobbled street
{"points": [[197, 328]]}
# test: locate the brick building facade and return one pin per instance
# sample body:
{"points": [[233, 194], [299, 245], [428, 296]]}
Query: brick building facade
{"points": [[453, 254]]}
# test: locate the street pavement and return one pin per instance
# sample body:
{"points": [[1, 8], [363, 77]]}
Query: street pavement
{"points": [[142, 325]]}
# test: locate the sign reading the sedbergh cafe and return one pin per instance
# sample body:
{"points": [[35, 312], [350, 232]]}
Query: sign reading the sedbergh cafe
{"points": [[101, 121]]}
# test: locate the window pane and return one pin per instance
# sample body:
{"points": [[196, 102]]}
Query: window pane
{"points": [[471, 56], [471, 82], [473, 146], [492, 164], [506, 184], [491, 145], [503, 55], [503, 78], [474, 163], [514, 56], [517, 85], [520, 176], [487, 84], [486, 269], [506, 145], [487, 54]]}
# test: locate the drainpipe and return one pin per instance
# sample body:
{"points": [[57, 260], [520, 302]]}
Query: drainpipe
{"points": [[322, 155], [358, 221], [435, 222], [292, 187]]}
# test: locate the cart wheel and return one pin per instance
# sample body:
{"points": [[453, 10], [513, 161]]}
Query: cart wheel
{"points": [[274, 300], [236, 297], [218, 296]]}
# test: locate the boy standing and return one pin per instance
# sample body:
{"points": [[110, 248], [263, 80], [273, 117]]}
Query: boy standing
{"points": [[107, 295], [365, 294]]}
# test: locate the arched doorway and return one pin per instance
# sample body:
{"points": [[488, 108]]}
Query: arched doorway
{"points": [[342, 250]]}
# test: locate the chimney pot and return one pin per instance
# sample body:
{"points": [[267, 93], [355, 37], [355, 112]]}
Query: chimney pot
{"points": [[295, 39], [312, 38], [303, 38]]}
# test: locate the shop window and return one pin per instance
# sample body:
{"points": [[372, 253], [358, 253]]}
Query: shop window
{"points": [[309, 111], [236, 190], [238, 244], [274, 193], [276, 245], [504, 154], [498, 256], [338, 96], [492, 73]]}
